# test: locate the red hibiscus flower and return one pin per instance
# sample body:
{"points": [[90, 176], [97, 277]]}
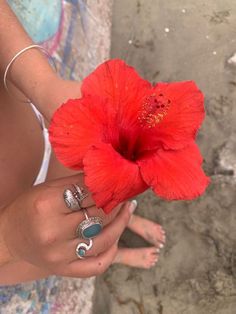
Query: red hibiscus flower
{"points": [[128, 135]]}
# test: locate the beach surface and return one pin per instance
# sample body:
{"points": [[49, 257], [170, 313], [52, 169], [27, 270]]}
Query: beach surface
{"points": [[179, 40]]}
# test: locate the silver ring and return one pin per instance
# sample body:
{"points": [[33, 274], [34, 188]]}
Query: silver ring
{"points": [[73, 199], [70, 200], [90, 227], [81, 249], [79, 194]]}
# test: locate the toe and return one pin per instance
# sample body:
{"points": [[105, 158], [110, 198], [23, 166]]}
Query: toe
{"points": [[161, 235], [161, 245], [154, 251], [162, 230], [153, 262], [153, 256]]}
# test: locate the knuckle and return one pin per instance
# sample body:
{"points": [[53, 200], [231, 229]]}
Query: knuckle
{"points": [[42, 203], [47, 238]]}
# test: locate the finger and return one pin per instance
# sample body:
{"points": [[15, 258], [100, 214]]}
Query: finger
{"points": [[64, 228], [81, 195], [58, 202], [64, 181], [71, 222], [109, 235], [68, 183], [64, 252], [91, 266]]}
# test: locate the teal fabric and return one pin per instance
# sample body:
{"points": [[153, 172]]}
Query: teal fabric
{"points": [[40, 19]]}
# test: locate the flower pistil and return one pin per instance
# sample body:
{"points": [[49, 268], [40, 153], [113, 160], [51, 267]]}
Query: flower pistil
{"points": [[154, 109]]}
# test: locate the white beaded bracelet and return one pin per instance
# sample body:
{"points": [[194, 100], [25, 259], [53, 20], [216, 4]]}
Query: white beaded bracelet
{"points": [[16, 56]]}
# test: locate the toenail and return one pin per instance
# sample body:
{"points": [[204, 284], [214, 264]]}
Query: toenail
{"points": [[161, 245], [158, 250]]}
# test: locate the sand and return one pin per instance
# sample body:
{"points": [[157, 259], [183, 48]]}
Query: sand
{"points": [[171, 41]]}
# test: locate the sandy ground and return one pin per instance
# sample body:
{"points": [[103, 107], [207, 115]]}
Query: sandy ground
{"points": [[171, 41]]}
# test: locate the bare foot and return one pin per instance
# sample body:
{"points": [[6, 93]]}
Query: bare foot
{"points": [[147, 229], [141, 257]]}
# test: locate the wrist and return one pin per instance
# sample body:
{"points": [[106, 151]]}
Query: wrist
{"points": [[45, 96], [31, 75], [57, 92]]}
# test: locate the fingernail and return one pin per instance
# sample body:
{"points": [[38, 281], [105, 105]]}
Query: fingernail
{"points": [[161, 245], [158, 250], [132, 206]]}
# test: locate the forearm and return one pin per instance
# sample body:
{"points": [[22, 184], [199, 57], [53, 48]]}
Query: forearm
{"points": [[30, 73]]}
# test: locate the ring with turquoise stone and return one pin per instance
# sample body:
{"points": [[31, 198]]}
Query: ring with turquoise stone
{"points": [[82, 248], [90, 227]]}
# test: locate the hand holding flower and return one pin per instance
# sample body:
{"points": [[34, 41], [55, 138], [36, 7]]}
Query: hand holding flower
{"points": [[39, 229]]}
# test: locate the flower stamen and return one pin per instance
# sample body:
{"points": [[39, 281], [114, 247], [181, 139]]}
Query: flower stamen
{"points": [[154, 109]]}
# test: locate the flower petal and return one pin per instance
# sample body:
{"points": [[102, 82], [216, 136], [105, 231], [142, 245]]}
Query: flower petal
{"points": [[76, 125], [182, 121], [110, 178], [175, 174], [121, 85]]}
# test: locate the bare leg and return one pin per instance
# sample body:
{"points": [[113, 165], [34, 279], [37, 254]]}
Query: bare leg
{"points": [[148, 230], [140, 257]]}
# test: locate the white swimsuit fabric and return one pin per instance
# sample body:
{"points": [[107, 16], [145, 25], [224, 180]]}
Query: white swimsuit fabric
{"points": [[41, 177]]}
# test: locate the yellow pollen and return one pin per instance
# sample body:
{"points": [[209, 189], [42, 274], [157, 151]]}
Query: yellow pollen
{"points": [[154, 109]]}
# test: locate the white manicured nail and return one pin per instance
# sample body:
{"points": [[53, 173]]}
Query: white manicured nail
{"points": [[132, 206]]}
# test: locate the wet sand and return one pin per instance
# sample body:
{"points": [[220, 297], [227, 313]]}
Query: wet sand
{"points": [[172, 41]]}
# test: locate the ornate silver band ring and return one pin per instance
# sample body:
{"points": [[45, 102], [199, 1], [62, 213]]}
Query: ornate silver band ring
{"points": [[73, 199]]}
